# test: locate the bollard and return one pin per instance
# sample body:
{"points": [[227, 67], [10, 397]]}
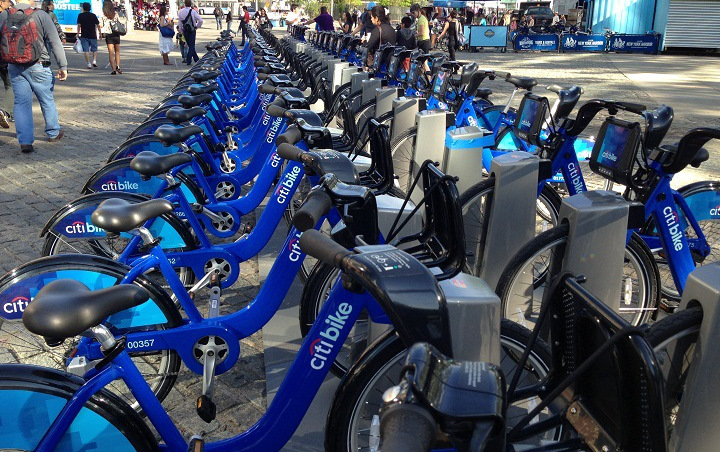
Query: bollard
{"points": [[513, 203], [404, 111], [598, 223], [696, 425], [384, 98]]}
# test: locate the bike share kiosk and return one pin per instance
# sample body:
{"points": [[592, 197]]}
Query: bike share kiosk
{"points": [[369, 85], [696, 424], [404, 111], [384, 98]]}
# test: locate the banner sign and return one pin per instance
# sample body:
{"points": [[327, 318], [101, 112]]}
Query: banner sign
{"points": [[543, 43], [634, 43], [449, 4], [583, 43]]}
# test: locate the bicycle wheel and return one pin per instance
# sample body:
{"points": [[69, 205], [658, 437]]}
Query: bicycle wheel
{"points": [[522, 283], [17, 345], [70, 232], [673, 340], [703, 198], [33, 396], [359, 396], [402, 149], [476, 200]]}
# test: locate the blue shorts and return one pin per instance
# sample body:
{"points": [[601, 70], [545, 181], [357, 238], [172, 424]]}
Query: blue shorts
{"points": [[88, 45]]}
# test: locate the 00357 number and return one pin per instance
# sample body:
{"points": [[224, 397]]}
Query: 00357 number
{"points": [[141, 344]]}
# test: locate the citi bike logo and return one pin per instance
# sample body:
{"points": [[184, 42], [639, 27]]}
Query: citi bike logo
{"points": [[570, 43], [671, 220], [472, 121], [275, 160], [609, 156], [525, 123], [16, 305], [112, 185], [715, 211], [284, 187], [618, 44], [270, 137], [81, 227], [574, 174], [321, 347], [294, 248]]}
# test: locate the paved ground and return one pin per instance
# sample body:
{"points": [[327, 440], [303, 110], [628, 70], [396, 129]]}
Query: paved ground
{"points": [[98, 110]]}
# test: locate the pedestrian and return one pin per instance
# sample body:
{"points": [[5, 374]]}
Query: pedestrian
{"points": [[482, 21], [35, 76], [6, 93], [181, 42], [49, 7], [324, 21], [383, 33], [365, 24], [422, 34], [244, 21], [89, 30], [190, 21], [469, 15], [112, 37], [451, 28], [218, 13], [165, 43], [531, 22], [406, 36], [229, 20], [347, 24], [292, 17]]}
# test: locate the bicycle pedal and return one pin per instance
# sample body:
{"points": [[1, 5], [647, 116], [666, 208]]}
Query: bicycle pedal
{"points": [[206, 409], [196, 444], [668, 306]]}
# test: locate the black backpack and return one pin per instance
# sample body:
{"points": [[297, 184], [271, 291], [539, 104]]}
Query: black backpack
{"points": [[189, 27]]}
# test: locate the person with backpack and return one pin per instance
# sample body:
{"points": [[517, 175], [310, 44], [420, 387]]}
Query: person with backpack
{"points": [[406, 36], [244, 21], [29, 68], [218, 13], [6, 95], [190, 21]]}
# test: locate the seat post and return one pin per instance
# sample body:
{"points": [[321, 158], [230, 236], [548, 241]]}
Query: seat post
{"points": [[104, 337], [509, 102], [144, 234]]}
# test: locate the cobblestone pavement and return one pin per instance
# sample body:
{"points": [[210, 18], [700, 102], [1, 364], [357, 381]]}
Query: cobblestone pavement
{"points": [[97, 112]]}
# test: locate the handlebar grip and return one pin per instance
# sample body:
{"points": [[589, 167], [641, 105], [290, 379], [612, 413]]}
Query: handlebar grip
{"points": [[502, 74], [316, 205], [407, 427], [289, 152], [268, 89], [263, 76], [632, 107], [323, 248], [275, 110], [292, 135], [555, 88]]}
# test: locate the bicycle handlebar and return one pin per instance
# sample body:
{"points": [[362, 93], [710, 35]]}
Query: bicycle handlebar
{"points": [[323, 248], [631, 107], [289, 152], [406, 427], [316, 205], [292, 135], [689, 146], [262, 76], [502, 74], [276, 110], [269, 89]]}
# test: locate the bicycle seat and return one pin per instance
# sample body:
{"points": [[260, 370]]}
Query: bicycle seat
{"points": [[522, 82], [212, 66], [204, 76], [701, 155], [118, 215], [149, 163], [67, 308], [197, 88], [179, 115], [567, 98], [193, 101], [171, 135], [483, 93], [215, 45]]}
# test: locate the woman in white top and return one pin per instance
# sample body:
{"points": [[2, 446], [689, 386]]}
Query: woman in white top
{"points": [[166, 45]]}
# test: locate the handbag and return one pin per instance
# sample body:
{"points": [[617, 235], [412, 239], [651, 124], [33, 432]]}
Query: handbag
{"points": [[118, 28], [461, 35], [167, 32], [77, 47]]}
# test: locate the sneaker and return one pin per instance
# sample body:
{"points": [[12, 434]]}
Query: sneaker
{"points": [[4, 120], [89, 66], [94, 63], [57, 138], [113, 73], [119, 71], [26, 148]]}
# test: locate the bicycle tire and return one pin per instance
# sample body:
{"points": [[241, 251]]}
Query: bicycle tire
{"points": [[681, 331], [383, 361], [636, 251], [17, 345], [474, 203], [110, 418], [402, 149]]}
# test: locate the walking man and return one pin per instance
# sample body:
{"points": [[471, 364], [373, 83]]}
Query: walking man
{"points": [[190, 21], [6, 93], [218, 13], [29, 69], [89, 30], [244, 21]]}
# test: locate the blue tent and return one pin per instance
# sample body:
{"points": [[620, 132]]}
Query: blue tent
{"points": [[450, 3]]}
